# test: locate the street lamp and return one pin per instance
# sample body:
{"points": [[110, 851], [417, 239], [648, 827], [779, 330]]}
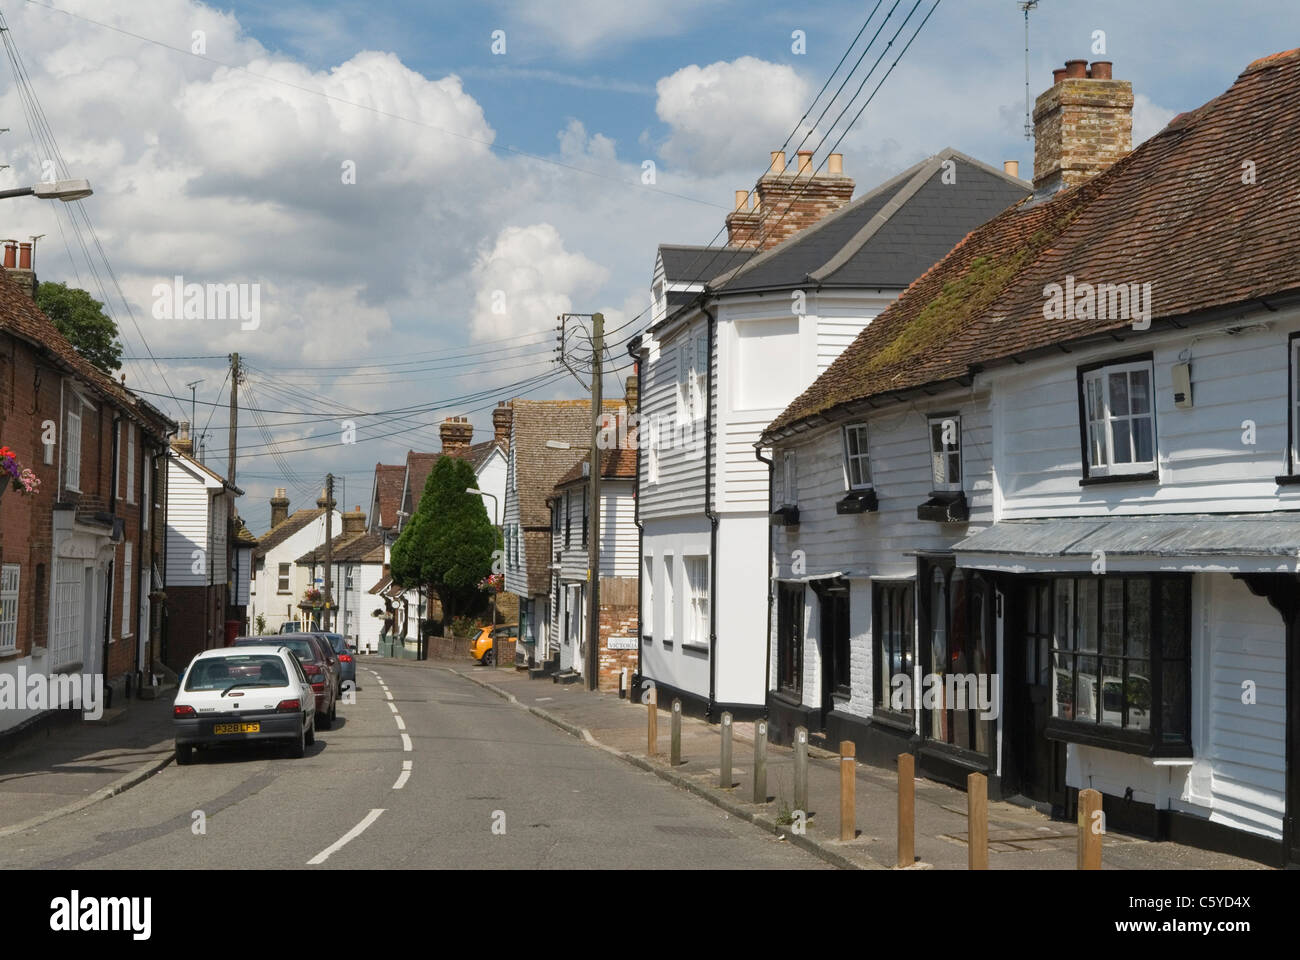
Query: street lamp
{"points": [[495, 504], [65, 190]]}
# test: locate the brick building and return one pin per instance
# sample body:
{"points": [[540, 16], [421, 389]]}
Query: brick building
{"points": [[80, 555]]}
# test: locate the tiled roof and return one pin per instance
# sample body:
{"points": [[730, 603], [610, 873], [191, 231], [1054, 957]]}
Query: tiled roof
{"points": [[619, 464], [388, 485], [355, 548], [285, 529], [479, 452], [418, 468], [20, 316], [1174, 213]]}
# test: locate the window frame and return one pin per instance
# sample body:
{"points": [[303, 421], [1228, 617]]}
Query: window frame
{"points": [[648, 597], [670, 598], [130, 462], [942, 457], [1150, 741], [1110, 471], [863, 456], [789, 479], [791, 607], [283, 574], [72, 443], [696, 631], [568, 519], [831, 594], [10, 596], [128, 562], [1293, 405], [117, 462]]}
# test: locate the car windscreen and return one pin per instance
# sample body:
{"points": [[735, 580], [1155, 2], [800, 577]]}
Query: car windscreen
{"points": [[338, 642], [300, 646], [247, 670]]}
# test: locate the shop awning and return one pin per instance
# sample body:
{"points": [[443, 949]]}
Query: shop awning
{"points": [[1255, 542]]}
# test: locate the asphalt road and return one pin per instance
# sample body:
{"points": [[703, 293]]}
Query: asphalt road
{"points": [[425, 770]]}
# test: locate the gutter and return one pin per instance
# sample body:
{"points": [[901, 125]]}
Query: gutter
{"points": [[713, 517], [634, 351]]}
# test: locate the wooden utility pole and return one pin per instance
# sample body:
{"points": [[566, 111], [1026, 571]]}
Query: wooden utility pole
{"points": [[234, 418], [593, 507], [329, 550]]}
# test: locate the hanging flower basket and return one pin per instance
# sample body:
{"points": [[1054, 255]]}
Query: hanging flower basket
{"points": [[14, 474], [494, 582]]}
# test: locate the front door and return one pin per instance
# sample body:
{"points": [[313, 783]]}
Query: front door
{"points": [[833, 642], [1036, 762]]}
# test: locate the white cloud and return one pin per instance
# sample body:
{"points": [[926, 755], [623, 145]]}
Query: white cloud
{"points": [[585, 27], [729, 115], [1148, 118], [527, 279]]}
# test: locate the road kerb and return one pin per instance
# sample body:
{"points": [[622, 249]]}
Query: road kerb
{"points": [[760, 820]]}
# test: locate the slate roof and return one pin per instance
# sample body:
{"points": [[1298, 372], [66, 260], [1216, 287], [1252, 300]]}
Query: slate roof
{"points": [[1174, 213], [388, 489], [20, 316], [355, 548], [538, 467], [285, 529], [888, 237], [684, 263]]}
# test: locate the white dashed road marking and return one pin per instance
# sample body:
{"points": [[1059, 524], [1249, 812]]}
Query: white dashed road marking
{"points": [[392, 707], [347, 838], [406, 742], [403, 776], [401, 724]]}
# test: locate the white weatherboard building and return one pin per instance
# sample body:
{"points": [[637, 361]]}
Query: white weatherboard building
{"points": [[723, 358], [278, 582]]}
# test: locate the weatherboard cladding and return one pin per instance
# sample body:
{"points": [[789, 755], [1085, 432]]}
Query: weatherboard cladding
{"points": [[1175, 213]]}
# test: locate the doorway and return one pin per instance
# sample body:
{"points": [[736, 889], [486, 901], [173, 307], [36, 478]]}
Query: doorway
{"points": [[1035, 763]]}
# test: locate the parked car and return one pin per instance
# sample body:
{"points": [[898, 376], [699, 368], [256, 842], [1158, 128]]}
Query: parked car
{"points": [[483, 649], [291, 626], [347, 655], [256, 692], [319, 666]]}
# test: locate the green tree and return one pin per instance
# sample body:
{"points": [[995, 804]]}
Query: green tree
{"points": [[81, 318], [448, 544]]}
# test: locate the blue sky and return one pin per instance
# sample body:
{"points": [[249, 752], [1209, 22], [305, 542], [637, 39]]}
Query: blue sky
{"points": [[232, 175]]}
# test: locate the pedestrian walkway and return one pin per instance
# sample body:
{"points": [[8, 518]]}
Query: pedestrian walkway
{"points": [[1019, 838], [55, 771]]}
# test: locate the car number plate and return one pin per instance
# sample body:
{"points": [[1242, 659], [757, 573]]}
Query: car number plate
{"points": [[219, 728]]}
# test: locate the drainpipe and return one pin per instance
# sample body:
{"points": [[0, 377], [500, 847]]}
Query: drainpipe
{"points": [[108, 591], [634, 351], [713, 517], [767, 672]]}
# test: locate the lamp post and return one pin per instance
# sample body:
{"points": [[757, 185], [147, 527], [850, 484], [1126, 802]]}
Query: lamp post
{"points": [[495, 504], [65, 190]]}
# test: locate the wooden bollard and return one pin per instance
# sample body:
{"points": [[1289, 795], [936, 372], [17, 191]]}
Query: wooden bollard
{"points": [[652, 723], [724, 772], [848, 790], [1091, 827], [977, 821], [675, 746], [906, 810], [760, 761], [801, 769]]}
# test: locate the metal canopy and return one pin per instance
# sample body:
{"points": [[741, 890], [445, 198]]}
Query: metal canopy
{"points": [[1266, 536]]}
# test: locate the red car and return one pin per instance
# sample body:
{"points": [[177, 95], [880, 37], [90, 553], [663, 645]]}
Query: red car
{"points": [[318, 662]]}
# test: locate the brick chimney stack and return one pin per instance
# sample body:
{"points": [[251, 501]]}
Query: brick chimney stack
{"points": [[354, 522], [456, 433], [631, 391], [503, 418], [22, 272], [1082, 124], [322, 503], [785, 203], [279, 506], [182, 443]]}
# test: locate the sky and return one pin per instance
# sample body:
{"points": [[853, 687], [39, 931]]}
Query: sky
{"points": [[415, 190]]}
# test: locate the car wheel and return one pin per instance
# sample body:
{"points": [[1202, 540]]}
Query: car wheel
{"points": [[298, 748], [488, 659], [311, 734], [334, 712], [184, 753], [324, 720]]}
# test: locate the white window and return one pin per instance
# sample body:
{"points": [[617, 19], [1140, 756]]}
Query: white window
{"points": [[683, 380], [349, 579], [857, 467], [126, 588], [1120, 419], [9, 575], [789, 480], [283, 585], [72, 446], [130, 463], [1295, 405], [117, 465], [652, 453], [669, 609], [648, 597], [65, 641], [699, 376], [697, 582], [945, 452]]}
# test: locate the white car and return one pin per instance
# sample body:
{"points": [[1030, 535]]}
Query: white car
{"points": [[242, 694]]}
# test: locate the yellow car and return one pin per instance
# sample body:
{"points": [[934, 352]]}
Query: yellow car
{"points": [[482, 648]]}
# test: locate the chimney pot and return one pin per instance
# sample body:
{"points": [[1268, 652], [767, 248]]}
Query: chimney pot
{"points": [[1101, 70], [1078, 131], [778, 162], [1058, 75], [835, 164], [742, 199], [1011, 168], [11, 255], [1076, 69], [805, 161]]}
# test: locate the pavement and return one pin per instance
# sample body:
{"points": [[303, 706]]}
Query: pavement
{"points": [[1020, 838]]}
